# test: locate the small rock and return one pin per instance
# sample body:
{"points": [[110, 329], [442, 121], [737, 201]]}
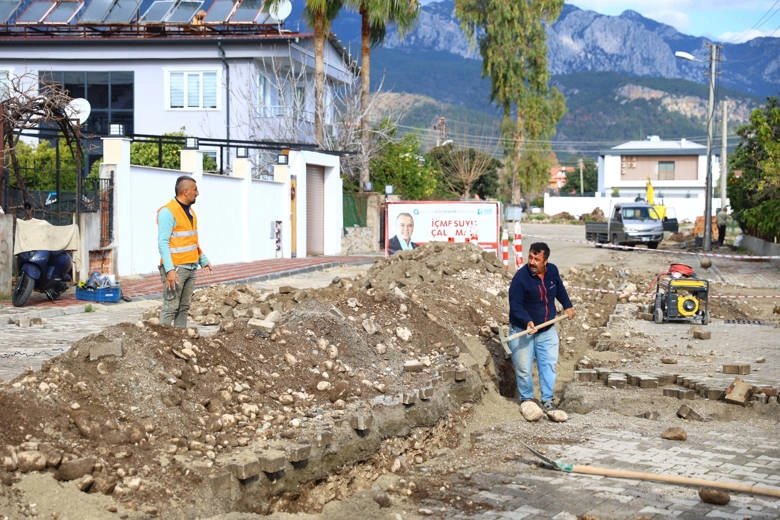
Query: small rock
{"points": [[674, 434], [383, 499], [714, 496], [557, 416], [531, 411]]}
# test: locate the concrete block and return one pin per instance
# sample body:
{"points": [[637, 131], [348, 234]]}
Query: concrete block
{"points": [[409, 397], [361, 421], [713, 394], [671, 392], [741, 369], [667, 379], [460, 374], [617, 380], [298, 452], [243, 465], [702, 334], [272, 461], [686, 412], [739, 392], [648, 382], [426, 392], [585, 375], [603, 373]]}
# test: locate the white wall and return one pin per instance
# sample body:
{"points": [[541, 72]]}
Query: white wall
{"points": [[234, 212]]}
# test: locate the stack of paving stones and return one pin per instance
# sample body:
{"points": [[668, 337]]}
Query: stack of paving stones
{"points": [[733, 384]]}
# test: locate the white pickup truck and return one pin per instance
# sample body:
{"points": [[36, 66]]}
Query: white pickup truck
{"points": [[630, 224]]}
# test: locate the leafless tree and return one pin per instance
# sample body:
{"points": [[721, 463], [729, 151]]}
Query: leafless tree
{"points": [[463, 165], [24, 105]]}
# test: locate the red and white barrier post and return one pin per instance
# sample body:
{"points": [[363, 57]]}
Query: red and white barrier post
{"points": [[505, 249], [518, 245]]}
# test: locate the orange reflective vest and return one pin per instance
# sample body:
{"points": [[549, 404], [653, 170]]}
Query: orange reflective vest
{"points": [[184, 238]]}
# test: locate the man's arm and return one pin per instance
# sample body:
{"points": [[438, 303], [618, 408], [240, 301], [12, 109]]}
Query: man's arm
{"points": [[165, 223]]}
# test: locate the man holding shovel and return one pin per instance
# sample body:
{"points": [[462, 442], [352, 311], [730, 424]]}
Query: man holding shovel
{"points": [[532, 295]]}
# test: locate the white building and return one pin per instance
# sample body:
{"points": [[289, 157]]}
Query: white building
{"points": [[676, 169], [227, 73]]}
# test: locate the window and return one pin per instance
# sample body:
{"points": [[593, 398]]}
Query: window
{"points": [[110, 95], [263, 100], [192, 90], [665, 170]]}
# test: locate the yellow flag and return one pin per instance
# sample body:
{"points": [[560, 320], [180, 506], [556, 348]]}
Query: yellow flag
{"points": [[649, 192]]}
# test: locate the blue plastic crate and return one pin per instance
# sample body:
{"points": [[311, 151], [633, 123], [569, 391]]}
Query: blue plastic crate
{"points": [[106, 294]]}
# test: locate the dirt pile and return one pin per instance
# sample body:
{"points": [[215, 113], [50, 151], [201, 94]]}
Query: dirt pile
{"points": [[145, 413]]}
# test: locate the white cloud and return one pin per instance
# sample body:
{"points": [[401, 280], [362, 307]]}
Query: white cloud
{"points": [[741, 37]]}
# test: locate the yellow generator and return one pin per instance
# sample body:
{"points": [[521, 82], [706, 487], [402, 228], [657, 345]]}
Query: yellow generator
{"points": [[681, 298]]}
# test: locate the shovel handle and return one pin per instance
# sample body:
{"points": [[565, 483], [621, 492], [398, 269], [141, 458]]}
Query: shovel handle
{"points": [[524, 332], [516, 335]]}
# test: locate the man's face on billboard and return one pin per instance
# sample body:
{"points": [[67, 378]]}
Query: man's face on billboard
{"points": [[405, 227]]}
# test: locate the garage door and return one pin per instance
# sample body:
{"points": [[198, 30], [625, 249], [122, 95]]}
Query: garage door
{"points": [[315, 210]]}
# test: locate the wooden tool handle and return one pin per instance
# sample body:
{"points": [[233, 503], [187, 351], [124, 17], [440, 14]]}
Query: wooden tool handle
{"points": [[673, 479], [524, 332]]}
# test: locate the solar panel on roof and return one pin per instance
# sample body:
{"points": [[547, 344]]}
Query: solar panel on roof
{"points": [[7, 8], [157, 11], [63, 12], [247, 11], [35, 11], [219, 11], [124, 11], [184, 12], [95, 11]]}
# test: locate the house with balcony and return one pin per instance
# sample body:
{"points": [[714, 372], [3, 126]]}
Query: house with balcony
{"points": [[226, 72]]}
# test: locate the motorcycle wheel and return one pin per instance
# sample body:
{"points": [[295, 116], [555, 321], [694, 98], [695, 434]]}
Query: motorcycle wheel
{"points": [[23, 290]]}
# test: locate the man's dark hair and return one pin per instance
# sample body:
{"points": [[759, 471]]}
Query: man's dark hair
{"points": [[540, 247], [180, 181]]}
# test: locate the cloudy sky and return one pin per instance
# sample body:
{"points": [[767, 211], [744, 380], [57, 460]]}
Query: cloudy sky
{"points": [[722, 20]]}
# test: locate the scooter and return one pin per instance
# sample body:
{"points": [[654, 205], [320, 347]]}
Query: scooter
{"points": [[48, 272]]}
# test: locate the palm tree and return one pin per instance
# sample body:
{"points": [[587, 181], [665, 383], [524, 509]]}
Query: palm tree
{"points": [[319, 14], [374, 17]]}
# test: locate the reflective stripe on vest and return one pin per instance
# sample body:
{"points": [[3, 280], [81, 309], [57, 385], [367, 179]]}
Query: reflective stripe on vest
{"points": [[184, 238]]}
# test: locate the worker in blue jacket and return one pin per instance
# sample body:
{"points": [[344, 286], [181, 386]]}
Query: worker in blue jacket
{"points": [[532, 295]]}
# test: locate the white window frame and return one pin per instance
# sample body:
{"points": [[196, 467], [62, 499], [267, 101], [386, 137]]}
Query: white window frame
{"points": [[191, 99], [665, 173]]}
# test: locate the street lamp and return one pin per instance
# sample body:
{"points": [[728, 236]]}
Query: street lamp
{"points": [[710, 110]]}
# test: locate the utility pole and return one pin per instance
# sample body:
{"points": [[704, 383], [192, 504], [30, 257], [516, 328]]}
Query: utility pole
{"points": [[708, 181], [582, 189], [724, 163], [441, 127]]}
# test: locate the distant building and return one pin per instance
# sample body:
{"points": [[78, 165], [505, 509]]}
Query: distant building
{"points": [[676, 169], [558, 178]]}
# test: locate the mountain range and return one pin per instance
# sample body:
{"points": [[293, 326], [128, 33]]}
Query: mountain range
{"points": [[619, 74]]}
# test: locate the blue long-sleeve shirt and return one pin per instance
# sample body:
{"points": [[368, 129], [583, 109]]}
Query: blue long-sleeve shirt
{"points": [[165, 224], [533, 299]]}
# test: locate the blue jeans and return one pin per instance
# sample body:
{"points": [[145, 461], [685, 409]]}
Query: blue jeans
{"points": [[543, 347], [176, 304]]}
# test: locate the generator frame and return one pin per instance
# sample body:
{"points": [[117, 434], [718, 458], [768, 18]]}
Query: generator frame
{"points": [[681, 299]]}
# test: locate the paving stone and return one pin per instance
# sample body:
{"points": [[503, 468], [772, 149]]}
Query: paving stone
{"points": [[742, 369]]}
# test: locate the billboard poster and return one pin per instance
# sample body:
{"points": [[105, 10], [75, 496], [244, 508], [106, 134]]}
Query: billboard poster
{"points": [[411, 224]]}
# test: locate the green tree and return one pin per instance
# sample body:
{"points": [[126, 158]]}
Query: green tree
{"points": [[39, 165], [590, 177], [512, 42], [148, 153], [402, 164], [755, 195], [374, 17]]}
